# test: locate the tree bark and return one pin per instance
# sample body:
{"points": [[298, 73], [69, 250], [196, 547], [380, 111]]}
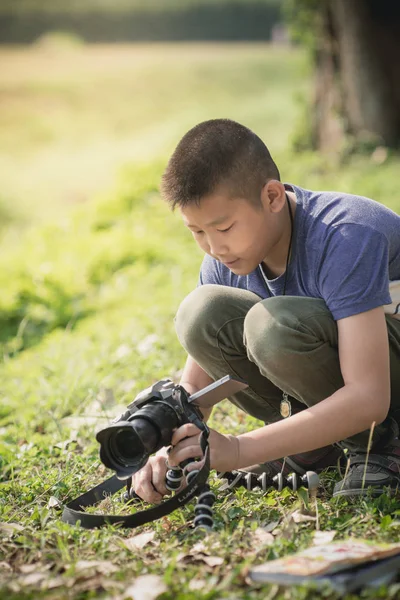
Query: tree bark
{"points": [[358, 72]]}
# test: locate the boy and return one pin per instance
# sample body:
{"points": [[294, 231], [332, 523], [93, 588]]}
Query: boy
{"points": [[293, 297]]}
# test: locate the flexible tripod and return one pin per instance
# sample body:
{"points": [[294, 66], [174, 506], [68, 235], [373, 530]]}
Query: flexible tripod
{"points": [[234, 479], [203, 511], [252, 481]]}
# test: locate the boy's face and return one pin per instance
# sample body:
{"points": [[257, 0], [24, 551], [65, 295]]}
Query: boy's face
{"points": [[235, 231]]}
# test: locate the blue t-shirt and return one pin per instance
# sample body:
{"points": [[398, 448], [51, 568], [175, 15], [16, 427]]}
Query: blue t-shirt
{"points": [[345, 250]]}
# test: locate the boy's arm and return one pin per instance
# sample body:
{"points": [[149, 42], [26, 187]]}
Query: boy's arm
{"points": [[364, 398], [194, 379]]}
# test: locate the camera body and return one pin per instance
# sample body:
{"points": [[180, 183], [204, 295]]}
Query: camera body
{"points": [[150, 420], [146, 426]]}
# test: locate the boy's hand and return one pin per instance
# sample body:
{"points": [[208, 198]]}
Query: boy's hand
{"points": [[149, 482], [224, 449]]}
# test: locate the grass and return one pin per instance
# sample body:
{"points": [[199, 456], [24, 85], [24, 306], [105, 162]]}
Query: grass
{"points": [[86, 322]]}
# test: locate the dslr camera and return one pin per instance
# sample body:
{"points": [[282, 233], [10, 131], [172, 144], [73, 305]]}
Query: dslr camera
{"points": [[150, 420]]}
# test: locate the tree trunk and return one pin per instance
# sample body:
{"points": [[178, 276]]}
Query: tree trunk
{"points": [[358, 73]]}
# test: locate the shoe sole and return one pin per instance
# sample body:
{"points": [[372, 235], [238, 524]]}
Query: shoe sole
{"points": [[366, 492]]}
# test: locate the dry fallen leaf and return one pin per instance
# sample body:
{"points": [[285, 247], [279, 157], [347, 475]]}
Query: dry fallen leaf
{"points": [[139, 541], [269, 527], [262, 538], [64, 445], [179, 557], [88, 567], [54, 582], [34, 567], [211, 561], [32, 575], [32, 579], [323, 537], [95, 583], [286, 529], [166, 524], [8, 529], [145, 587], [300, 517], [53, 502], [199, 547], [105, 507], [197, 584]]}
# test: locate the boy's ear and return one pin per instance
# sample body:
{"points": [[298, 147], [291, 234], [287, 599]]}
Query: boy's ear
{"points": [[273, 195]]}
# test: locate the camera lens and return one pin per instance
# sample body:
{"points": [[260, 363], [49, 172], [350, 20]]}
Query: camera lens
{"points": [[126, 446]]}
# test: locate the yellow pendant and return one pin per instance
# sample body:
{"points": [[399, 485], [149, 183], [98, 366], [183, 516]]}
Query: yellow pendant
{"points": [[286, 407]]}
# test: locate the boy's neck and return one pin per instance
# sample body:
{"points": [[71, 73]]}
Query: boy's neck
{"points": [[275, 264]]}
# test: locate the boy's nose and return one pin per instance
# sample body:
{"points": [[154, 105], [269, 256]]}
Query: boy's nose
{"points": [[218, 249], [219, 252]]}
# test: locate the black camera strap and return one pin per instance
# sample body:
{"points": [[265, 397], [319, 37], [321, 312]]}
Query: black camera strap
{"points": [[73, 510]]}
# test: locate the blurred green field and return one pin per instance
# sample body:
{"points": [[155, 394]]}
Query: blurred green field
{"points": [[88, 298], [70, 118]]}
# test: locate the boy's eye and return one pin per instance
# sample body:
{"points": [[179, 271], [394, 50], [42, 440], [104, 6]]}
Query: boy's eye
{"points": [[224, 230]]}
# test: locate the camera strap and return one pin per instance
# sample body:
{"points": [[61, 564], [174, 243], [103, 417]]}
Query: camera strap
{"points": [[73, 510]]}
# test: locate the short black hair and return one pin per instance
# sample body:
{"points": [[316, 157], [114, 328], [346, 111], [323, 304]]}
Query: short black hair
{"points": [[217, 153]]}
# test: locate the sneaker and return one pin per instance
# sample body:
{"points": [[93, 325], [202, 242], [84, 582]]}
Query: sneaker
{"points": [[371, 474]]}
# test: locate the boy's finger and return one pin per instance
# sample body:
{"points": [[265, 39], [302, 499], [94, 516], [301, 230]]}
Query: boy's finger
{"points": [[178, 456], [176, 450], [185, 443], [195, 465], [186, 430], [147, 491], [159, 473]]}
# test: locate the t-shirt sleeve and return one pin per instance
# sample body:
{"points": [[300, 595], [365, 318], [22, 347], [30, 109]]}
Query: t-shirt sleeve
{"points": [[354, 270], [209, 272]]}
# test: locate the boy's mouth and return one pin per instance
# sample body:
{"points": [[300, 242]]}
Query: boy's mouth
{"points": [[230, 263]]}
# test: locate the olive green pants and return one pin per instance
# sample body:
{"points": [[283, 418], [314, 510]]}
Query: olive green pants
{"points": [[281, 344]]}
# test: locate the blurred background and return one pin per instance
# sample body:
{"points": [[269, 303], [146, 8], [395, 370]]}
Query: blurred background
{"points": [[95, 95], [89, 85]]}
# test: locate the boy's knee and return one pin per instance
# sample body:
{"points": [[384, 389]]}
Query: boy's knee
{"points": [[197, 314], [265, 332], [279, 327]]}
